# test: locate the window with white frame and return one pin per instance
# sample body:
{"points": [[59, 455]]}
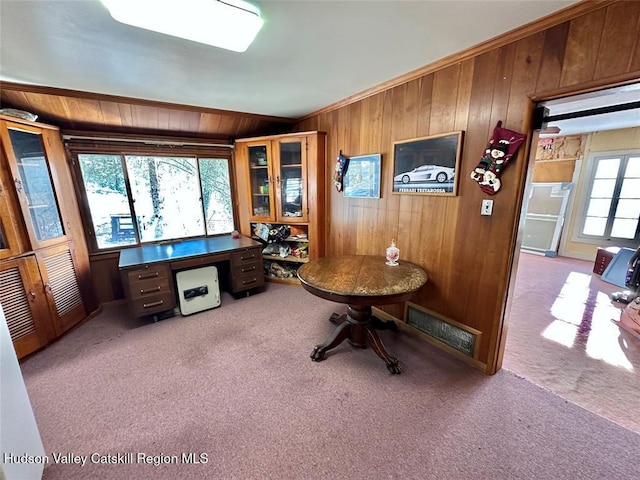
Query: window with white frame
{"points": [[612, 205], [135, 198]]}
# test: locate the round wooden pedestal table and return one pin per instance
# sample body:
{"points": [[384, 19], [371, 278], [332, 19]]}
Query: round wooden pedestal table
{"points": [[360, 281]]}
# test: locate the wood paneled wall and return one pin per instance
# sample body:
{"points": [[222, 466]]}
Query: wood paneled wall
{"points": [[468, 256]]}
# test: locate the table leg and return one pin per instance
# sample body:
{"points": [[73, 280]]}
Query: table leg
{"points": [[379, 324], [359, 327], [378, 347], [339, 335]]}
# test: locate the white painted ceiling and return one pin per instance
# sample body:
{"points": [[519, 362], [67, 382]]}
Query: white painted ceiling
{"points": [[309, 54]]}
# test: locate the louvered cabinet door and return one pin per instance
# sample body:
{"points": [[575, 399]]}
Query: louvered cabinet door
{"points": [[61, 286], [25, 305]]}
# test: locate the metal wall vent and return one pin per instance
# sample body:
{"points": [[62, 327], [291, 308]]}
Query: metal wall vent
{"points": [[460, 337]]}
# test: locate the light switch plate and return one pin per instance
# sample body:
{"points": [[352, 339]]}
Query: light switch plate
{"points": [[487, 207]]}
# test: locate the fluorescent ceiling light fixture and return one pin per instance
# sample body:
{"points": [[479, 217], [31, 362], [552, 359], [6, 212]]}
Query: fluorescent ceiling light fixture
{"points": [[228, 24]]}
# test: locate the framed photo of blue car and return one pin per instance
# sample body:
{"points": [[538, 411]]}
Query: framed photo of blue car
{"points": [[363, 177], [428, 165]]}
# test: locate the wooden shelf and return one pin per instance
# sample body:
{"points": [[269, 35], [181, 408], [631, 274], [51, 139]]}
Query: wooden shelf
{"points": [[294, 239], [31, 162], [289, 258], [288, 239]]}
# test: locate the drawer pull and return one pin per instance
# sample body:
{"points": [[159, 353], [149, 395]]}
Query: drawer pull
{"points": [[152, 304], [249, 269], [247, 282], [149, 290], [144, 276], [253, 255]]}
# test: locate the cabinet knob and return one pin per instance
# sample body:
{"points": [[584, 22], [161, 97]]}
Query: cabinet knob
{"points": [[33, 294]]}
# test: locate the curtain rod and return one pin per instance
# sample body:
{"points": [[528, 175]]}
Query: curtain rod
{"points": [[146, 141]]}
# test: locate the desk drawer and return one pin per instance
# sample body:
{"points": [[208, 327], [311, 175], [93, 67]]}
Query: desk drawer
{"points": [[246, 269], [153, 304], [247, 281], [150, 290], [147, 288], [199, 261], [150, 272], [248, 256]]}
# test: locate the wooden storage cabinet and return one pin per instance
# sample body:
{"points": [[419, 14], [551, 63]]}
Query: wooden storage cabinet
{"points": [[246, 270], [281, 180], [25, 304], [603, 259], [150, 289], [41, 236], [61, 286]]}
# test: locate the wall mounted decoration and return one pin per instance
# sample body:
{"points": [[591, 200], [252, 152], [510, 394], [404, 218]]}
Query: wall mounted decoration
{"points": [[363, 177], [342, 165], [427, 165], [502, 146]]}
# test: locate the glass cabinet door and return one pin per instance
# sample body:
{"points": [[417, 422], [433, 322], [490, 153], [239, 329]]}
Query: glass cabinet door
{"points": [[9, 243], [33, 183], [260, 182], [290, 181], [6, 249]]}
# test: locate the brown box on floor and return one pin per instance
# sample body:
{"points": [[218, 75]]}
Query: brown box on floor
{"points": [[603, 258]]}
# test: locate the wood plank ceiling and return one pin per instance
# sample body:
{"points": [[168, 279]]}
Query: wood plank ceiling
{"points": [[74, 110]]}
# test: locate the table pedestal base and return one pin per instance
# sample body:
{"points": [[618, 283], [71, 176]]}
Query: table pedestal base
{"points": [[359, 327]]}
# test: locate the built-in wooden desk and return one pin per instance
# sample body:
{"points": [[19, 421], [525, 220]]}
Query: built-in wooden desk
{"points": [[148, 271], [360, 281]]}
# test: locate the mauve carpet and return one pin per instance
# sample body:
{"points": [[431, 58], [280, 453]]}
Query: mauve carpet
{"points": [[237, 384], [562, 336]]}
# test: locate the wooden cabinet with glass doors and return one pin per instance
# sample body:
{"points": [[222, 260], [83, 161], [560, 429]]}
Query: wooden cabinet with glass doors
{"points": [[46, 285], [281, 186]]}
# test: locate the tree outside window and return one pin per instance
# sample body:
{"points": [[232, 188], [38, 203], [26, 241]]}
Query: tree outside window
{"points": [[138, 198]]}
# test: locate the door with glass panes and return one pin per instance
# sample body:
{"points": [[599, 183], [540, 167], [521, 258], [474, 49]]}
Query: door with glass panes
{"points": [[10, 244], [34, 184], [261, 181], [277, 180], [291, 174]]}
